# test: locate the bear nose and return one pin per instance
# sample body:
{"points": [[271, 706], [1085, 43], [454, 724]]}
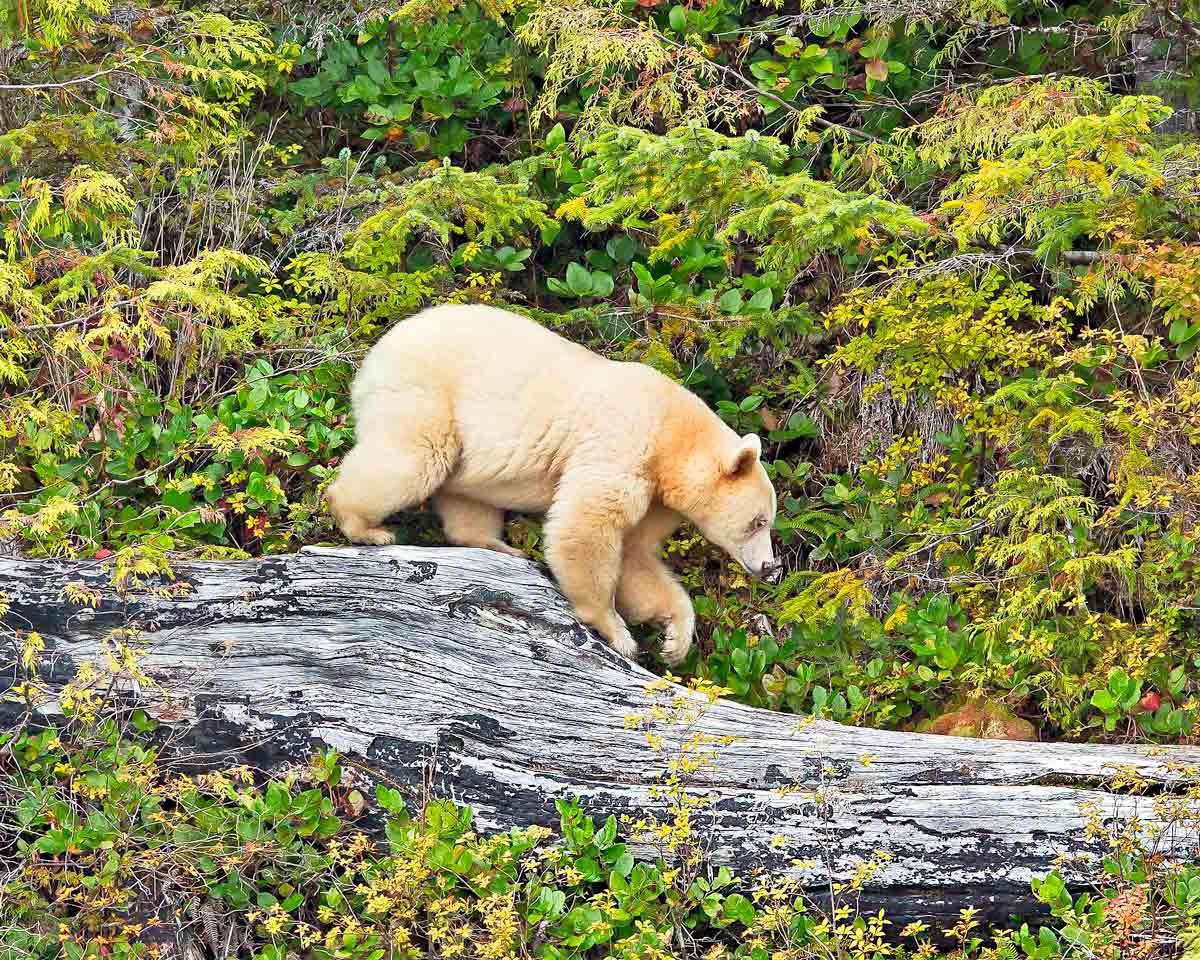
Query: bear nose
{"points": [[770, 569]]}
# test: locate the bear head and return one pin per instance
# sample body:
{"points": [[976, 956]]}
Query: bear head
{"points": [[737, 509]]}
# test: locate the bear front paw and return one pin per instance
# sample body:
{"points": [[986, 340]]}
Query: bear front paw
{"points": [[677, 641], [624, 644]]}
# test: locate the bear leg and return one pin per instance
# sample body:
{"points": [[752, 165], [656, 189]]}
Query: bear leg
{"points": [[585, 528], [648, 592], [469, 523], [404, 451]]}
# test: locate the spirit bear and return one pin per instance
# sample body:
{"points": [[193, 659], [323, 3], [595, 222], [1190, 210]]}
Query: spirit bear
{"points": [[485, 411]]}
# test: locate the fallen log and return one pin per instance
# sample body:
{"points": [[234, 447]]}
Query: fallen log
{"points": [[464, 672]]}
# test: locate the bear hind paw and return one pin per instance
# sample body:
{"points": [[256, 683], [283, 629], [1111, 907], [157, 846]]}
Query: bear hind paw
{"points": [[361, 533]]}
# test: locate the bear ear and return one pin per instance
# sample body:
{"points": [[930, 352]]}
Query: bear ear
{"points": [[745, 456]]}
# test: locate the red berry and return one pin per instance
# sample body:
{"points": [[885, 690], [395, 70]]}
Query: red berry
{"points": [[1151, 701], [103, 554]]}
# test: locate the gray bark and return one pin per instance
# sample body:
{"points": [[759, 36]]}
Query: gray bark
{"points": [[1161, 69], [465, 670]]}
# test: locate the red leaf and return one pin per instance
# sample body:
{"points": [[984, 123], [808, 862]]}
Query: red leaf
{"points": [[119, 351]]}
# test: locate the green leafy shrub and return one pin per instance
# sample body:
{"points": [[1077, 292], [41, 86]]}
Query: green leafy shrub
{"points": [[417, 82]]}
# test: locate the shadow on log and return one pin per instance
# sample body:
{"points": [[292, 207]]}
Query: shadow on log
{"points": [[464, 669]]}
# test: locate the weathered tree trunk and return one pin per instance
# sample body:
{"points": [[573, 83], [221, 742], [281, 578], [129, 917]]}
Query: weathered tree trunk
{"points": [[464, 670]]}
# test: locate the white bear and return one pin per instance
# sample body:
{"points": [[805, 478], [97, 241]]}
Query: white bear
{"points": [[485, 411]]}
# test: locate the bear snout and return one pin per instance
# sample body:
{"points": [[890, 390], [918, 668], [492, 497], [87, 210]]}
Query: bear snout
{"points": [[769, 571]]}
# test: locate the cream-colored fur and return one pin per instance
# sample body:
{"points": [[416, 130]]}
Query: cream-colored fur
{"points": [[485, 411]]}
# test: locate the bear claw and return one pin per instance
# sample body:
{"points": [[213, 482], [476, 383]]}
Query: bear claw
{"points": [[377, 536], [675, 647], [625, 646]]}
